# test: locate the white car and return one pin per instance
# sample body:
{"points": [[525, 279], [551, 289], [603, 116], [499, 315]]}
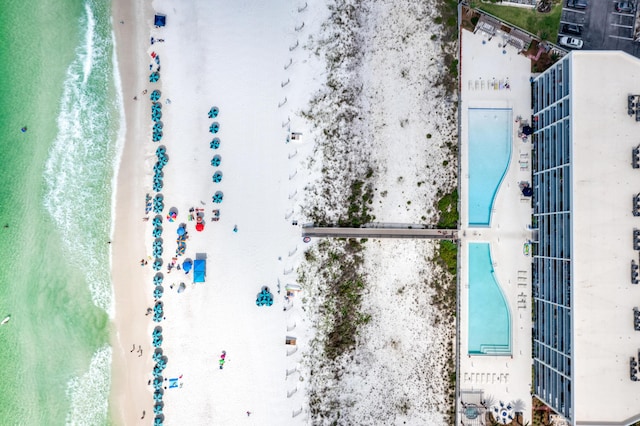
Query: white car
{"points": [[570, 42]]}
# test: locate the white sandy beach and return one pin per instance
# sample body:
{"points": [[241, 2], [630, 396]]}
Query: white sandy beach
{"points": [[248, 59]]}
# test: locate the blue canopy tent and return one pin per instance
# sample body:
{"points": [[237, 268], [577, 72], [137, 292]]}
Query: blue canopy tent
{"points": [[160, 20], [199, 268]]}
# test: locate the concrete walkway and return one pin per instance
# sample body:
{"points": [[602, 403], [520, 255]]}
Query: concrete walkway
{"points": [[441, 234]]}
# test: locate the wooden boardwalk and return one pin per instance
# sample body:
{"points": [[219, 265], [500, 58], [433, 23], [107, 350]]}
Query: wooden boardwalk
{"points": [[381, 232]]}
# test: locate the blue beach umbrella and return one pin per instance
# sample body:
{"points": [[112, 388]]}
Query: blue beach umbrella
{"points": [[186, 265], [214, 127], [157, 221], [217, 197], [157, 317], [158, 383], [157, 242], [156, 116], [162, 363], [155, 95], [154, 77], [157, 264], [213, 112], [215, 143], [217, 177], [157, 372], [157, 342], [157, 251], [157, 186], [158, 166], [156, 106], [157, 280], [157, 332], [163, 159], [157, 409], [158, 421], [215, 161], [157, 396], [157, 127], [157, 355], [158, 292], [161, 150], [157, 136], [157, 231], [181, 230]]}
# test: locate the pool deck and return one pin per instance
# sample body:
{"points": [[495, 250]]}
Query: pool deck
{"points": [[504, 378]]}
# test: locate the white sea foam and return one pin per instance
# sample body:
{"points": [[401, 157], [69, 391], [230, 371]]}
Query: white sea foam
{"points": [[89, 393], [122, 131], [78, 169]]}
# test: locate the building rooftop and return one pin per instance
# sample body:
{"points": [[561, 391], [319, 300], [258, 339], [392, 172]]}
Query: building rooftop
{"points": [[603, 185]]}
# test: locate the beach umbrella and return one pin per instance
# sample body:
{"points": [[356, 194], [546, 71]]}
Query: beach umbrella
{"points": [[200, 227], [181, 287], [157, 242], [158, 307], [157, 221], [157, 251], [158, 166], [157, 332], [157, 264], [181, 230], [157, 186], [157, 136], [157, 342], [157, 279], [157, 355], [162, 363], [213, 112], [157, 409], [161, 150], [214, 127], [155, 95], [172, 215], [215, 143], [157, 317], [156, 116], [156, 106], [154, 77], [186, 265], [157, 383], [157, 231], [217, 197], [215, 161], [158, 421], [157, 293], [217, 177], [163, 159], [157, 127], [157, 372], [157, 396]]}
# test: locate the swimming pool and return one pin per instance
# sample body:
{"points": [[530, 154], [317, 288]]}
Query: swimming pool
{"points": [[489, 316], [489, 154]]}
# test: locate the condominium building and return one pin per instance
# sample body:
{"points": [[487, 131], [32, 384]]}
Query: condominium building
{"points": [[586, 179]]}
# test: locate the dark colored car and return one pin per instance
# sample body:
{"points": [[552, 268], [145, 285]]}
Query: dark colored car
{"points": [[625, 7], [572, 29], [577, 4]]}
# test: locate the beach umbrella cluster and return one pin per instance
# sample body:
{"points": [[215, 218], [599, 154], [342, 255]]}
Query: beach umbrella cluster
{"points": [[158, 312], [158, 203], [265, 298], [156, 337]]}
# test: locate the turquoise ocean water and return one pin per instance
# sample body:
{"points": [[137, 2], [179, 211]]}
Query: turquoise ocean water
{"points": [[58, 79]]}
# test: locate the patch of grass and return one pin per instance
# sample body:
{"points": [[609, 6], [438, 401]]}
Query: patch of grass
{"points": [[448, 209], [448, 255], [360, 197], [544, 25]]}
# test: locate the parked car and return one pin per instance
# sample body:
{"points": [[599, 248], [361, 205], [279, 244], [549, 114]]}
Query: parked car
{"points": [[570, 42], [577, 4], [572, 29], [625, 7]]}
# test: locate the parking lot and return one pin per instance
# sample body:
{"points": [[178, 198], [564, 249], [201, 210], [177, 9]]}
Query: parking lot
{"points": [[602, 27]]}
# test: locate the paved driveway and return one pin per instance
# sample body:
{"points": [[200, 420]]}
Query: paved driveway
{"points": [[603, 27]]}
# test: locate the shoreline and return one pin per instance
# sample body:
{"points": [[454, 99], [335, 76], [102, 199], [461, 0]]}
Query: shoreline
{"points": [[129, 395]]}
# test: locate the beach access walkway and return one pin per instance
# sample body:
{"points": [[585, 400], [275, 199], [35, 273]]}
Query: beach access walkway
{"points": [[380, 231]]}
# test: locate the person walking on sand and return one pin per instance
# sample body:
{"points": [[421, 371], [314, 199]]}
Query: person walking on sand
{"points": [[248, 413]]}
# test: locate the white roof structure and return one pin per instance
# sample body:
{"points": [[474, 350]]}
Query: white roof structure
{"points": [[603, 184]]}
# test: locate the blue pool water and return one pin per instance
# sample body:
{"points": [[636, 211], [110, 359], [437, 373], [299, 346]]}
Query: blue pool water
{"points": [[489, 154], [489, 317]]}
